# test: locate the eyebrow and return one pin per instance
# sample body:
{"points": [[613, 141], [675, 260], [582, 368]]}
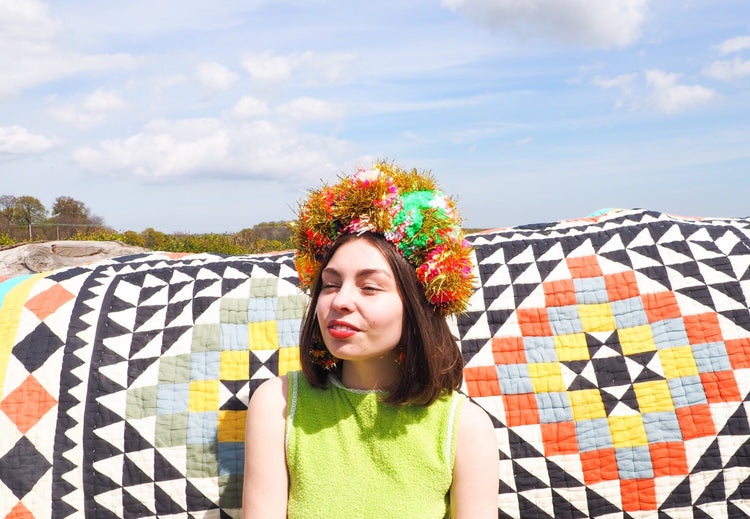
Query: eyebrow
{"points": [[361, 273]]}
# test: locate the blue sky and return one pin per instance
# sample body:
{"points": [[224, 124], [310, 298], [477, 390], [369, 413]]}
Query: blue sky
{"points": [[200, 116]]}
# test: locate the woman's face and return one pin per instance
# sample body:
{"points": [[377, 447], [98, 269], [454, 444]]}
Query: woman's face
{"points": [[359, 310]]}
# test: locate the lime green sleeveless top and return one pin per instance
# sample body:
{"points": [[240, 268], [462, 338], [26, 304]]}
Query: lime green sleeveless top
{"points": [[350, 455]]}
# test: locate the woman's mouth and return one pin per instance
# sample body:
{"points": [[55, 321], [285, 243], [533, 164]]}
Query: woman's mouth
{"points": [[341, 330]]}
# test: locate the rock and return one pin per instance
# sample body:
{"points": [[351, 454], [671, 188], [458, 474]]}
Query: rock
{"points": [[31, 258]]}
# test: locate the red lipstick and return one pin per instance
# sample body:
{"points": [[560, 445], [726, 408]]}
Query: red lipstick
{"points": [[341, 329]]}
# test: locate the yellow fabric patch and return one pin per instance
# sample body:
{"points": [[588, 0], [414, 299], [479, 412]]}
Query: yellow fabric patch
{"points": [[204, 395], [10, 314], [288, 360], [627, 431], [587, 404], [546, 377], [263, 335], [678, 362], [231, 426], [638, 339], [654, 396], [597, 317], [571, 347], [235, 365]]}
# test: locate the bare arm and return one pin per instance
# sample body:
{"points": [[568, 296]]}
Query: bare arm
{"points": [[265, 489], [476, 468]]}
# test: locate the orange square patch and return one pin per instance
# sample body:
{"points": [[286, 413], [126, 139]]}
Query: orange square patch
{"points": [[521, 409], [695, 421], [585, 267], [638, 494], [668, 459], [599, 465], [622, 285], [534, 322], [559, 438], [482, 381], [739, 352], [702, 328], [508, 350], [660, 306], [720, 386], [559, 293]]}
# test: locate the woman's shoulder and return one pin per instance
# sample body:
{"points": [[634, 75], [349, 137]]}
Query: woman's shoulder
{"points": [[474, 417], [271, 394], [476, 433]]}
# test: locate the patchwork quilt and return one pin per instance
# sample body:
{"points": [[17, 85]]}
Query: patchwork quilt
{"points": [[612, 354]]}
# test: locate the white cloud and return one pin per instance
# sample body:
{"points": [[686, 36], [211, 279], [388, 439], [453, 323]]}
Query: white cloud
{"points": [[734, 45], [74, 115], [623, 82], [26, 24], [661, 92], [521, 142], [212, 148], [91, 111], [599, 24], [31, 52], [162, 149], [312, 67], [16, 140], [728, 70], [308, 109], [103, 101], [162, 83], [249, 107], [267, 67], [670, 97], [215, 77]]}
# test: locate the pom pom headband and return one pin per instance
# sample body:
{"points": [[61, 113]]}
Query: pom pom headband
{"points": [[409, 211]]}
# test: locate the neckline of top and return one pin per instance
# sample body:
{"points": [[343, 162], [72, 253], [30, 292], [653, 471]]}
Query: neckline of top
{"points": [[334, 380]]}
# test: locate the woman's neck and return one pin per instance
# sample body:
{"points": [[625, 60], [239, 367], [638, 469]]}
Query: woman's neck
{"points": [[372, 374]]}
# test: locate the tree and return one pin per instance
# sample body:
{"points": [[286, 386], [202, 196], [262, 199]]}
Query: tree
{"points": [[28, 211], [7, 210], [71, 213], [70, 210], [155, 240]]}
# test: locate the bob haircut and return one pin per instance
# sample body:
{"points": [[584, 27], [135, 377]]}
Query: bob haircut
{"points": [[432, 364]]}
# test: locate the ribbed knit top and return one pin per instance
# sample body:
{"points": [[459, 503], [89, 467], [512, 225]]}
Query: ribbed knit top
{"points": [[350, 455]]}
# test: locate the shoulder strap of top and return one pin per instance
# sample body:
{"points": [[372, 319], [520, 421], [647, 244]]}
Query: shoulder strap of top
{"points": [[450, 441], [292, 381]]}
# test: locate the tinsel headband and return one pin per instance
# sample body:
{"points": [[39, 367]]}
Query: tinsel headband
{"points": [[409, 210]]}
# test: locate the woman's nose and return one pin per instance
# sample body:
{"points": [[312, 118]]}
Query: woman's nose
{"points": [[344, 297]]}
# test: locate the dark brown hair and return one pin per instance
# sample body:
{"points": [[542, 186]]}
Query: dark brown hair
{"points": [[432, 362]]}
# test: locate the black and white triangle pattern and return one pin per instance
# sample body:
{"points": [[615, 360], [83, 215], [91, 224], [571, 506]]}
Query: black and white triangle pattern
{"points": [[132, 313], [705, 263], [147, 317]]}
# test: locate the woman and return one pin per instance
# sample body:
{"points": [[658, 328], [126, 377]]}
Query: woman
{"points": [[373, 426]]}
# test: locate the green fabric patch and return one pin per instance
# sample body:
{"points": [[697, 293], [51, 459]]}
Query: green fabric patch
{"points": [[174, 370], [206, 337], [264, 287], [171, 430], [291, 307], [140, 402], [202, 460], [233, 310]]}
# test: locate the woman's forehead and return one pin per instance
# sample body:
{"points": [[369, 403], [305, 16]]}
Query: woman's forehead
{"points": [[358, 255]]}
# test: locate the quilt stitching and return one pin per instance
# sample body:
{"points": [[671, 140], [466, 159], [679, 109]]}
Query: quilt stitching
{"points": [[612, 354], [612, 359]]}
